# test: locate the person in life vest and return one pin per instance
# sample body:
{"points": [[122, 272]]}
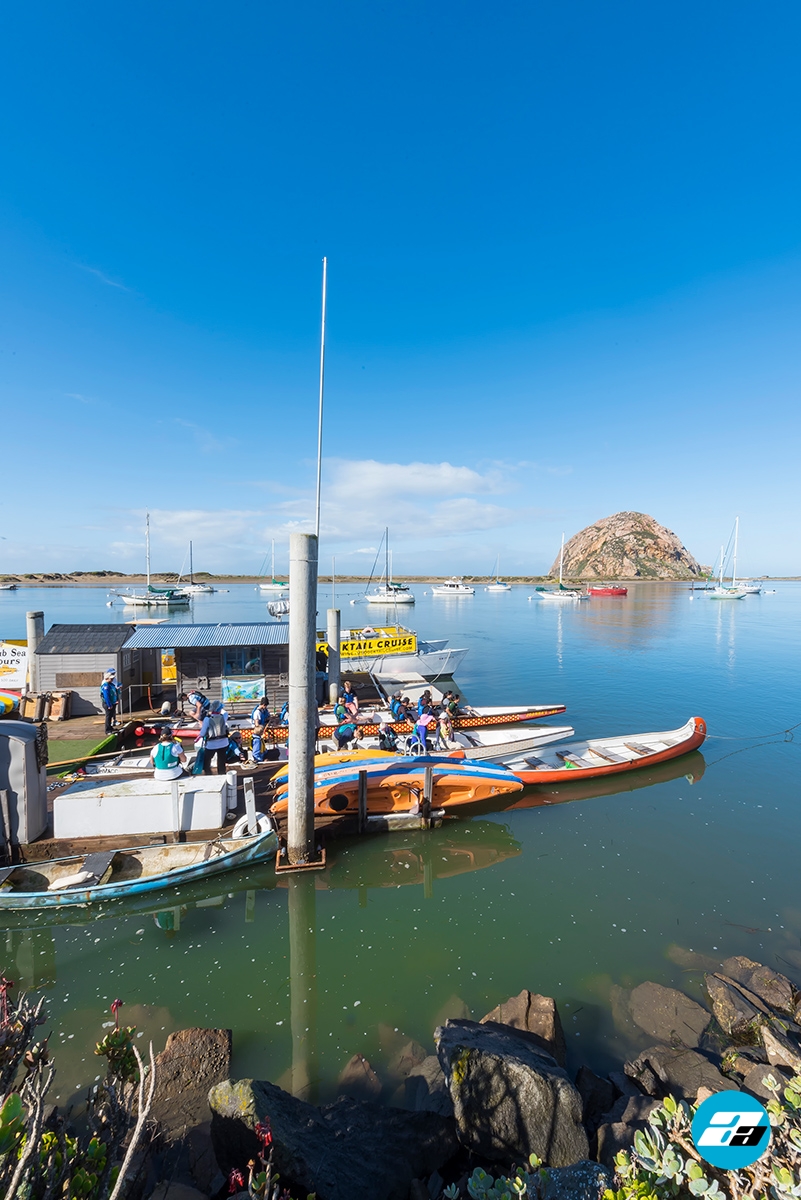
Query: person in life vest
{"points": [[199, 705], [348, 697], [424, 723], [346, 733], [387, 738], [261, 719], [445, 739], [214, 739], [109, 698], [168, 756]]}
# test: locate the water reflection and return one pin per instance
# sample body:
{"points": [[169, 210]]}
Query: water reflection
{"points": [[302, 906]]}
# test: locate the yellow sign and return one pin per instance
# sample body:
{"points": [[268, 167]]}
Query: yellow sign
{"points": [[375, 647]]}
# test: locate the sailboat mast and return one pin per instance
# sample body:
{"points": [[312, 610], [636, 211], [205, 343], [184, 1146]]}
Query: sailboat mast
{"points": [[272, 560], [386, 555], [147, 547], [561, 559], [721, 567], [734, 561], [191, 569]]}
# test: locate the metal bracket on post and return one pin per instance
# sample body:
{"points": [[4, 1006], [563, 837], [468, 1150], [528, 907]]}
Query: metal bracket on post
{"points": [[428, 795], [362, 801]]}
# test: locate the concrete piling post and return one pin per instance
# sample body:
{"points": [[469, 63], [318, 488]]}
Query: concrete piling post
{"points": [[34, 632], [302, 695], [334, 666]]}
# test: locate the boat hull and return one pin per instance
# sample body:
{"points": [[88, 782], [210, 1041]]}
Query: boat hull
{"points": [[237, 853], [396, 785], [608, 591], [688, 737]]}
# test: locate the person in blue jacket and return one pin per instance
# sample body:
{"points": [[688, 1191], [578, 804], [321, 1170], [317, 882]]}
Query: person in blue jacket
{"points": [[260, 718], [109, 698]]}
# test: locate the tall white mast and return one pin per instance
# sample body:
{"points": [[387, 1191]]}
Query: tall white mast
{"points": [[147, 547], [721, 567], [734, 561], [191, 568], [320, 410], [561, 559], [272, 560]]}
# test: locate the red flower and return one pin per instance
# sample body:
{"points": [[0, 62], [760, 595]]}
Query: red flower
{"points": [[264, 1133], [236, 1181], [116, 1005]]}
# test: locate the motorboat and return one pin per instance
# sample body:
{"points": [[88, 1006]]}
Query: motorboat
{"points": [[115, 875], [8, 587], [394, 654], [607, 756], [452, 587]]}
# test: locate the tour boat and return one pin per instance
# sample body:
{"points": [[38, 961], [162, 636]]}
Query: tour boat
{"points": [[274, 585], [8, 587], [607, 589], [394, 654], [115, 875], [452, 587], [395, 784], [561, 593], [607, 756]]}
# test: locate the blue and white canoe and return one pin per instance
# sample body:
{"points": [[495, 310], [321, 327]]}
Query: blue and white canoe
{"points": [[118, 874]]}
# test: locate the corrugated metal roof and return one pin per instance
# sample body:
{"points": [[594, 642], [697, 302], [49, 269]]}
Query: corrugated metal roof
{"points": [[159, 637], [84, 639]]}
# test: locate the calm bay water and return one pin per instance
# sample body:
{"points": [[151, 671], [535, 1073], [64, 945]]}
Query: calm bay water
{"points": [[573, 899]]}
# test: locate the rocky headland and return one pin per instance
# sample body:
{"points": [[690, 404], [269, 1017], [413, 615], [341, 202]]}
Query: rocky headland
{"points": [[627, 545]]}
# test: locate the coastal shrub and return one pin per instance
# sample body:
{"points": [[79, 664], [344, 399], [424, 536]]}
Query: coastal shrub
{"points": [[41, 1156], [664, 1163]]}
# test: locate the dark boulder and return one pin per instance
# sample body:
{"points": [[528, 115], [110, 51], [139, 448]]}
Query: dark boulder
{"points": [[581, 1181], [737, 1015], [192, 1062], [667, 1014], [616, 1131], [676, 1071], [535, 1014], [781, 1049], [425, 1089], [510, 1097], [597, 1097], [342, 1150], [753, 1082], [773, 989]]}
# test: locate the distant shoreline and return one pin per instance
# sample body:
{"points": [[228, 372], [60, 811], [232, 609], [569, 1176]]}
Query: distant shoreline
{"points": [[89, 579]]}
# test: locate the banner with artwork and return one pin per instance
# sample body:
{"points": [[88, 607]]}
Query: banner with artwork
{"points": [[13, 664], [238, 691]]}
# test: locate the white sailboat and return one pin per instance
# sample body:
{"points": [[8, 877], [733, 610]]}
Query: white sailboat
{"points": [[154, 597], [561, 593], [729, 591], [498, 585], [275, 585], [389, 592], [192, 588]]}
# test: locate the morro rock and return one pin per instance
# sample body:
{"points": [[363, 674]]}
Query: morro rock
{"points": [[628, 545]]}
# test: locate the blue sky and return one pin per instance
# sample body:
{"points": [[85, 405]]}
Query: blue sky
{"points": [[564, 278]]}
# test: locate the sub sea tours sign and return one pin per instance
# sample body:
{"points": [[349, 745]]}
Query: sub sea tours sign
{"points": [[13, 664], [375, 647]]}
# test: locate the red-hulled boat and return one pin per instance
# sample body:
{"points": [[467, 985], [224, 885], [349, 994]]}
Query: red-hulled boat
{"points": [[607, 589]]}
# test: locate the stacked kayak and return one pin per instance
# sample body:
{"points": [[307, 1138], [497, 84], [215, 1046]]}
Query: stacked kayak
{"points": [[395, 783]]}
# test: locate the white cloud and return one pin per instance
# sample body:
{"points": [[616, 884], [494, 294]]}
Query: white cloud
{"points": [[101, 275]]}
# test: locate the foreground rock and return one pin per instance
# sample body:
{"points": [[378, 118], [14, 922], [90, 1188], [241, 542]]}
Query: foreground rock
{"points": [[737, 1015], [582, 1181], [616, 1132], [628, 545], [536, 1014], [668, 1015], [425, 1089], [340, 1151], [510, 1097], [773, 989], [676, 1071]]}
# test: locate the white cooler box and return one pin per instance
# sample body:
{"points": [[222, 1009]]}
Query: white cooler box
{"points": [[98, 808]]}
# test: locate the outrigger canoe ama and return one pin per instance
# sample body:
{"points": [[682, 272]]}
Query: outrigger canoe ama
{"points": [[395, 784], [574, 761], [118, 874]]}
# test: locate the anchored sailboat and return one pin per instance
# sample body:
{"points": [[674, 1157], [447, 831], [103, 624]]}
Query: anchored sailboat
{"points": [[498, 585], [154, 597], [192, 588], [389, 592], [729, 591], [275, 585], [562, 592]]}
